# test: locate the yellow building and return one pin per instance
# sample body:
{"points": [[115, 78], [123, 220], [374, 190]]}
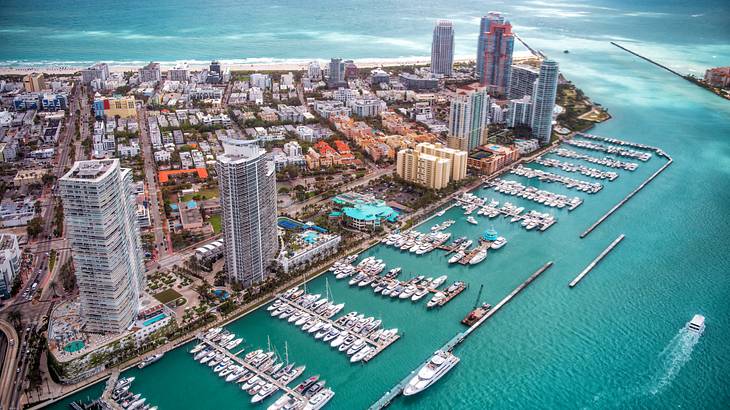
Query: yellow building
{"points": [[124, 107], [458, 159], [34, 82], [423, 169]]}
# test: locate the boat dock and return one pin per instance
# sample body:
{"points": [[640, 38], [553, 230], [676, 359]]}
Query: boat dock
{"points": [[605, 161], [544, 176], [394, 392], [378, 346], [266, 377], [533, 194], [608, 149], [469, 256], [626, 199], [595, 261], [580, 169]]}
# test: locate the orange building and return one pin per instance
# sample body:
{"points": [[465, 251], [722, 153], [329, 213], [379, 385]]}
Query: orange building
{"points": [[488, 159]]}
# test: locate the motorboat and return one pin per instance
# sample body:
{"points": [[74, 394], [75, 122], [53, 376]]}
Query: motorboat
{"points": [[437, 367], [697, 324], [499, 242]]}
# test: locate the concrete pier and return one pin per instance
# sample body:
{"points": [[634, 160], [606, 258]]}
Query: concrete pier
{"points": [[626, 199], [595, 261]]}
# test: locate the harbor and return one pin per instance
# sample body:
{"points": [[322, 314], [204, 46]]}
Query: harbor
{"points": [[438, 239]]}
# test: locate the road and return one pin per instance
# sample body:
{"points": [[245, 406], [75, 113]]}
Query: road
{"points": [[33, 310], [7, 372], [163, 241]]}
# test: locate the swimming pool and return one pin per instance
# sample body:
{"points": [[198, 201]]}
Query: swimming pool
{"points": [[74, 346], [154, 319]]}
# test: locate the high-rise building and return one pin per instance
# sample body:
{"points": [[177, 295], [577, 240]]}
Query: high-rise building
{"points": [[247, 183], [34, 82], [543, 101], [519, 112], [494, 48], [101, 225], [442, 48], [336, 74], [181, 72], [522, 81], [99, 71], [9, 263], [456, 157], [314, 71], [150, 73], [426, 170], [468, 118]]}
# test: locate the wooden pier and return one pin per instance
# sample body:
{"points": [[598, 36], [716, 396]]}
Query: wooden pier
{"points": [[595, 261], [394, 392], [629, 196], [266, 377], [378, 346]]}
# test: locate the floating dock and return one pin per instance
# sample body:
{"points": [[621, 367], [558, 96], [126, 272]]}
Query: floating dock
{"points": [[390, 395], [266, 377], [595, 261], [378, 346]]}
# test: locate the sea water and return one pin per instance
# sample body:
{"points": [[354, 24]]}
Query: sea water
{"points": [[610, 342]]}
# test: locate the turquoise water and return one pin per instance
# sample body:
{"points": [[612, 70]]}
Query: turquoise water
{"points": [[154, 319], [614, 341], [74, 346]]}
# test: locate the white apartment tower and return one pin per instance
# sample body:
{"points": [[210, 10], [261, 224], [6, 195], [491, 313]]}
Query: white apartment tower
{"points": [[247, 183], [442, 48], [101, 224], [469, 118]]}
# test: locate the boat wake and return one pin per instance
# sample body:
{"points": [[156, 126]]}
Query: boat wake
{"points": [[674, 356]]}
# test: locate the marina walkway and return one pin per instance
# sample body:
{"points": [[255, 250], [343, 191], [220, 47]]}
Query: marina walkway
{"points": [[390, 395]]}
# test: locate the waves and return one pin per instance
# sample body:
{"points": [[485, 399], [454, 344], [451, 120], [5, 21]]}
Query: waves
{"points": [[674, 356]]}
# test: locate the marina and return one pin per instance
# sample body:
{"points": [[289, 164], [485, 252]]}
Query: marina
{"points": [[609, 149], [605, 161], [570, 183], [357, 336], [581, 169], [593, 263], [258, 373], [540, 196]]}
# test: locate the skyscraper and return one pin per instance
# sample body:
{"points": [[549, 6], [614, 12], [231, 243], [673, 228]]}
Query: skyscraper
{"points": [[468, 118], [442, 48], [522, 81], [494, 53], [336, 74], [543, 101], [101, 224], [247, 183]]}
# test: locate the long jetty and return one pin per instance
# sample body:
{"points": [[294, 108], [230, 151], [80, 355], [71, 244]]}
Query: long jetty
{"points": [[390, 395], [595, 261], [629, 196]]}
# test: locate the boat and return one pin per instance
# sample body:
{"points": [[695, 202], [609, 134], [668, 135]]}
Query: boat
{"points": [[472, 221], [480, 256], [126, 381], [361, 354], [339, 339], [234, 343], [457, 257], [441, 212], [319, 400], [198, 348], [306, 384], [419, 294], [438, 281], [149, 360], [437, 367], [697, 324], [265, 392], [476, 314], [436, 299], [359, 344], [499, 242]]}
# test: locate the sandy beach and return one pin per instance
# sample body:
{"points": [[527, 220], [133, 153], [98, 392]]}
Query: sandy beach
{"points": [[234, 66]]}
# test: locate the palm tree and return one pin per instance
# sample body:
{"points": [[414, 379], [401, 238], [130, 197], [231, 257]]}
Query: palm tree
{"points": [[15, 317]]}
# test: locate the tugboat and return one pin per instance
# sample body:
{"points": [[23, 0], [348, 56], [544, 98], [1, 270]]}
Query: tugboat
{"points": [[478, 312]]}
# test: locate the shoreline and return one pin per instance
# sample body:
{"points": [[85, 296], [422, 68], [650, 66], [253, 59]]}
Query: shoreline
{"points": [[284, 65]]}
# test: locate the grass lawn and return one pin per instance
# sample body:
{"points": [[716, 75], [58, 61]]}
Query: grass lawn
{"points": [[215, 222], [167, 296], [203, 194]]}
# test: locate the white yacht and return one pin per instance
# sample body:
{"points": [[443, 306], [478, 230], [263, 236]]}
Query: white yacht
{"points": [[697, 324], [439, 365], [456, 257], [499, 242], [480, 256], [472, 221]]}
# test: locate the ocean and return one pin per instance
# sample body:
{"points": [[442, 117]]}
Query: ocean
{"points": [[615, 340]]}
